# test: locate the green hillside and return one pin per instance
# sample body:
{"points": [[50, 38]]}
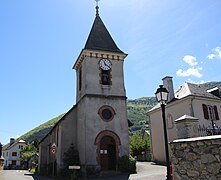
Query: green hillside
{"points": [[137, 114], [137, 110], [210, 85], [40, 131]]}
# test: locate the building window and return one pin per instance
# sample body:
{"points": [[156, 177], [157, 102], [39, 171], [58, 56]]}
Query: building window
{"points": [[13, 163], [80, 79], [14, 153], [210, 112], [106, 113], [6, 153], [3, 154], [105, 77]]}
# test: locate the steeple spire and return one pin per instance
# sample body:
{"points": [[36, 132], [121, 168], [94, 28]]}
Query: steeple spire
{"points": [[97, 8], [99, 37]]}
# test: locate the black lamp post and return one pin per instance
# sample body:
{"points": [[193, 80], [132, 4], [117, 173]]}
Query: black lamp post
{"points": [[162, 97], [0, 150]]}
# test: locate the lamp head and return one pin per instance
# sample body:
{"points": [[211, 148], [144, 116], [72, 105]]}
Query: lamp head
{"points": [[162, 94]]}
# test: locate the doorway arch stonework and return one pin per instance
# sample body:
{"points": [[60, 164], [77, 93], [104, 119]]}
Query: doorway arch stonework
{"points": [[99, 140]]}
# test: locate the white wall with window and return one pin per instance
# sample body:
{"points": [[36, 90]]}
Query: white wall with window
{"points": [[11, 153], [192, 100]]}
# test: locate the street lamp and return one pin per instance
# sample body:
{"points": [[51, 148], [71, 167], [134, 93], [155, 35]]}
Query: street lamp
{"points": [[162, 97]]}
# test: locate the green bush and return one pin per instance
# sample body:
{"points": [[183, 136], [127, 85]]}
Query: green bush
{"points": [[71, 158], [127, 164]]}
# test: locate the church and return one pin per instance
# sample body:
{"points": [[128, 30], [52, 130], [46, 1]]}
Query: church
{"points": [[97, 125]]}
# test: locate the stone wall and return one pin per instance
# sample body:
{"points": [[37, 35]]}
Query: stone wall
{"points": [[196, 158]]}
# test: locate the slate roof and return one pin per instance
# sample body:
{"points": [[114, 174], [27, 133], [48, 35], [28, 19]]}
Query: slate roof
{"points": [[189, 89], [193, 89], [8, 146], [100, 39]]}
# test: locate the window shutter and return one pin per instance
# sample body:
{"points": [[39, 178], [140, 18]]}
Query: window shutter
{"points": [[205, 111], [216, 113]]}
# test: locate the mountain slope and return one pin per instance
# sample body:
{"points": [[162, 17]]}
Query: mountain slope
{"points": [[137, 109], [40, 131], [137, 114]]}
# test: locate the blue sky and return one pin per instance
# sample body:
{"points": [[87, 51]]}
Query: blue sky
{"points": [[41, 39]]}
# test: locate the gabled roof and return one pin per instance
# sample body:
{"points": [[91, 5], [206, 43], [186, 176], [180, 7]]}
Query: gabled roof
{"points": [[193, 89], [185, 116], [188, 89], [100, 39], [8, 146]]}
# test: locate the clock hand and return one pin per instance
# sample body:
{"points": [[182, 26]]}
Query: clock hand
{"points": [[106, 64]]}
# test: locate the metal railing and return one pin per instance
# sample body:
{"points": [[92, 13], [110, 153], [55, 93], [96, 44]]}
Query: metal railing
{"points": [[208, 131]]}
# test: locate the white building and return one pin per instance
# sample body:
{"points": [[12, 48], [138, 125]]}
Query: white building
{"points": [[11, 153], [190, 100]]}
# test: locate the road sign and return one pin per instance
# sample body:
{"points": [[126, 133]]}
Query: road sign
{"points": [[53, 151], [53, 145], [53, 148]]}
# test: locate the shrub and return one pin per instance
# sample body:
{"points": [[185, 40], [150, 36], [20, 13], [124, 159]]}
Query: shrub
{"points": [[127, 164], [71, 157]]}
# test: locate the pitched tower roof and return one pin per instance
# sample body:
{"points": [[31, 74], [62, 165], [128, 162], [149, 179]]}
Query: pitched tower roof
{"points": [[99, 37]]}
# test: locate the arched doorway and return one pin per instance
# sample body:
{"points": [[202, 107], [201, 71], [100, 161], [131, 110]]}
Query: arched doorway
{"points": [[108, 153], [107, 150]]}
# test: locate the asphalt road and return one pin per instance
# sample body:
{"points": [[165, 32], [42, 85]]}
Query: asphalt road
{"points": [[20, 175], [145, 171], [149, 171]]}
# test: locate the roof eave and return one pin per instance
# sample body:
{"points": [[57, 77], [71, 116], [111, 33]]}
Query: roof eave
{"points": [[98, 54]]}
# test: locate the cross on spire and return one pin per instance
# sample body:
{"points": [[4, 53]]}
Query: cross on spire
{"points": [[97, 8]]}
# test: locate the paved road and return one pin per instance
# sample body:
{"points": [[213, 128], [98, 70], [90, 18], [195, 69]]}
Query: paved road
{"points": [[20, 175], [145, 171], [149, 171]]}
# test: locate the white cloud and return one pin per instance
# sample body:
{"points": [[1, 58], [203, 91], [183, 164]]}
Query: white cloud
{"points": [[190, 72], [211, 56], [216, 53], [190, 60]]}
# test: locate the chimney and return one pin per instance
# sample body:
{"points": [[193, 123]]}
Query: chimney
{"points": [[168, 84], [12, 140]]}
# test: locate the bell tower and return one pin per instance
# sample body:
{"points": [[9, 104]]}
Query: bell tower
{"points": [[101, 99]]}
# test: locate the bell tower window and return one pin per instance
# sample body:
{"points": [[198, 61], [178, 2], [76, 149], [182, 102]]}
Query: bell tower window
{"points": [[105, 67], [105, 77]]}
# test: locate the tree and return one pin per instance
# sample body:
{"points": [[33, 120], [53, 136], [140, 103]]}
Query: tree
{"points": [[28, 152], [139, 144]]}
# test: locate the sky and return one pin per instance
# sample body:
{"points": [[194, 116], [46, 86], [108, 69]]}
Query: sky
{"points": [[40, 41]]}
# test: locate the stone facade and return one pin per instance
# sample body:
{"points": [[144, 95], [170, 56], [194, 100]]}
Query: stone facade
{"points": [[196, 158]]}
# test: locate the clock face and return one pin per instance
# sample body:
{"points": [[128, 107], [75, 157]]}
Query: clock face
{"points": [[105, 64]]}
